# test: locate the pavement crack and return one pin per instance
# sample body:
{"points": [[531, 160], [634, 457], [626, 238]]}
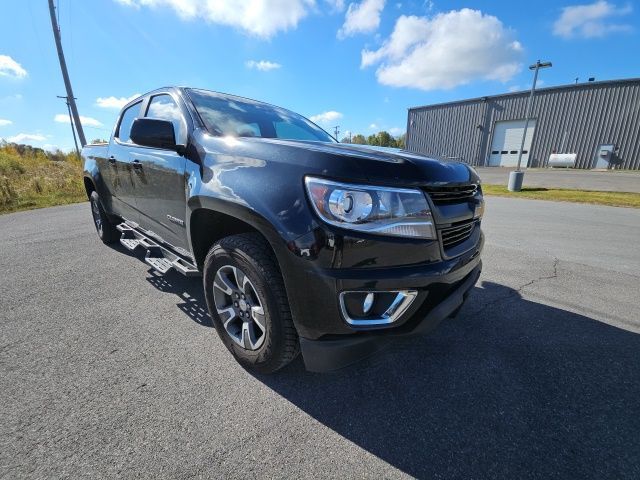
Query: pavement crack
{"points": [[517, 292], [556, 261]]}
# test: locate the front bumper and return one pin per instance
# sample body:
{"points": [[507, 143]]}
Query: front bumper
{"points": [[318, 267], [330, 354]]}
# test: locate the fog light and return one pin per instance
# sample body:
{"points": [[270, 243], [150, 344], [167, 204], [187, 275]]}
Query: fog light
{"points": [[369, 309], [368, 303]]}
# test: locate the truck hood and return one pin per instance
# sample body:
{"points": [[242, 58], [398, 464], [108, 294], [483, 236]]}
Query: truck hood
{"points": [[364, 163], [390, 164]]}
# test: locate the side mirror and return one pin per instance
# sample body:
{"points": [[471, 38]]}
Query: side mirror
{"points": [[152, 132]]}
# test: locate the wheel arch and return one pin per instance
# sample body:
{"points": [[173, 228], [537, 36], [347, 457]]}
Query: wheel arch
{"points": [[210, 223], [89, 185]]}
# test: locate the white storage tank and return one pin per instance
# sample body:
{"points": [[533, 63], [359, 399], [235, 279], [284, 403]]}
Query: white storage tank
{"points": [[566, 160]]}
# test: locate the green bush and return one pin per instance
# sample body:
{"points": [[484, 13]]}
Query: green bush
{"points": [[10, 164], [33, 178]]}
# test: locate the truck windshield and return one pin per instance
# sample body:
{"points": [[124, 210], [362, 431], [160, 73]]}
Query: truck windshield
{"points": [[241, 117]]}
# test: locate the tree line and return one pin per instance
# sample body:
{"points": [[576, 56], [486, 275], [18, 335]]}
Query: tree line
{"points": [[29, 151], [380, 139]]}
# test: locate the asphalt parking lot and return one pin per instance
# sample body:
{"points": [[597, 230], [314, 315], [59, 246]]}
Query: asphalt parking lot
{"points": [[107, 369], [605, 181]]}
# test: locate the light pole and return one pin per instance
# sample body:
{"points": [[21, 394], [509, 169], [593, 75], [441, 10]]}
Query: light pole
{"points": [[516, 177]]}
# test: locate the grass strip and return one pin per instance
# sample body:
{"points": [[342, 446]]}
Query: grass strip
{"points": [[613, 199]]}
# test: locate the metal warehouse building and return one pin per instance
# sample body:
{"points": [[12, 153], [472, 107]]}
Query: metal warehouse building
{"points": [[599, 122]]}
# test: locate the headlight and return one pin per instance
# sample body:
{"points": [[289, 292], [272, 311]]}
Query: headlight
{"points": [[479, 208], [400, 212]]}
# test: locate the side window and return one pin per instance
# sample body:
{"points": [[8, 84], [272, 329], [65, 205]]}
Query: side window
{"points": [[165, 108], [129, 115]]}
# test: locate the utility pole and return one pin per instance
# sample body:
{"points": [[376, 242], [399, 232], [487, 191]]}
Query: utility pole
{"points": [[336, 131], [75, 140], [516, 177], [65, 75]]}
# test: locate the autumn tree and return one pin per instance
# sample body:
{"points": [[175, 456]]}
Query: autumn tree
{"points": [[359, 139]]}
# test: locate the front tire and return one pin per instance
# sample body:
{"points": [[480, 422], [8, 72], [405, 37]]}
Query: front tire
{"points": [[106, 230], [248, 303]]}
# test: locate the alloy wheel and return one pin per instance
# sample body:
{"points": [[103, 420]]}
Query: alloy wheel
{"points": [[239, 307], [97, 219]]}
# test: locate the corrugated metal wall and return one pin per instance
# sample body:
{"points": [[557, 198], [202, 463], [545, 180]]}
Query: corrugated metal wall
{"points": [[569, 119]]}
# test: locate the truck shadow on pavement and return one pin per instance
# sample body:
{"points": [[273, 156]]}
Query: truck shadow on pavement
{"points": [[511, 388], [188, 289]]}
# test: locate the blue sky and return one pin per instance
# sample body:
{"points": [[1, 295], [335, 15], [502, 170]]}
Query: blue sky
{"points": [[358, 64]]}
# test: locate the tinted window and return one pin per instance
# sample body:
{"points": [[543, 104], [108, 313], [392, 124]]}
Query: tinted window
{"points": [[129, 115], [241, 117], [165, 108], [291, 130]]}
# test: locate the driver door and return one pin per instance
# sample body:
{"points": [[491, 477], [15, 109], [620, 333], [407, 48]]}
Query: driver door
{"points": [[159, 178]]}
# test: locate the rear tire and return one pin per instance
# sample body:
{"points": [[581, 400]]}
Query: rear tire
{"points": [[248, 303], [106, 230]]}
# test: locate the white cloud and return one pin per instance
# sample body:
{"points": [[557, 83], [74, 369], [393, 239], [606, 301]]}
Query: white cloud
{"points": [[10, 68], [86, 121], [262, 18], [373, 126], [4, 123], [49, 147], [26, 137], [326, 117], [396, 131], [591, 20], [361, 17], [445, 51], [115, 102], [262, 65]]}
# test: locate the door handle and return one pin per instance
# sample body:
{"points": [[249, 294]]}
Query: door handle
{"points": [[137, 165], [112, 160]]}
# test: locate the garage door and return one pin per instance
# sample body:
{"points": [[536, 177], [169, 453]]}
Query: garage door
{"points": [[507, 137]]}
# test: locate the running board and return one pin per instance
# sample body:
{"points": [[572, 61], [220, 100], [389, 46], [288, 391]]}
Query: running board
{"points": [[161, 258]]}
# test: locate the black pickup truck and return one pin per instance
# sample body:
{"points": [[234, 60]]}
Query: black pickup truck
{"points": [[304, 244]]}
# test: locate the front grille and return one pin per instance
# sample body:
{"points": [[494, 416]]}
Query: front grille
{"points": [[457, 233], [452, 194]]}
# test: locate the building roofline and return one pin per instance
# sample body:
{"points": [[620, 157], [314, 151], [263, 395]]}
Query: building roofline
{"points": [[526, 92]]}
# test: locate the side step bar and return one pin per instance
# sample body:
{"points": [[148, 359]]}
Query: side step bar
{"points": [[161, 258]]}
